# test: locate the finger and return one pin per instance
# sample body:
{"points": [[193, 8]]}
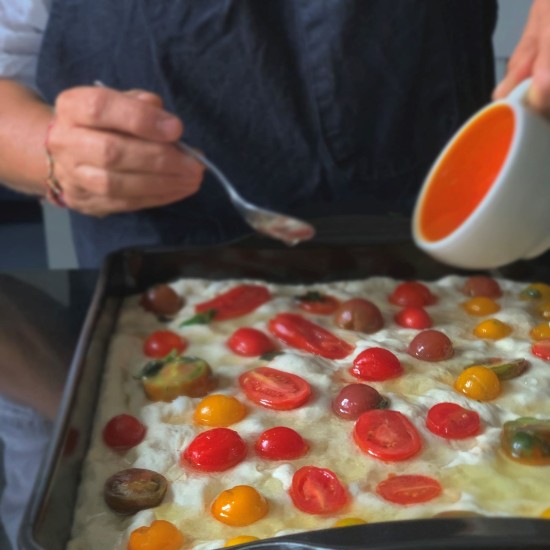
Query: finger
{"points": [[108, 109], [519, 68], [118, 152], [118, 186], [539, 92], [146, 96], [98, 206]]}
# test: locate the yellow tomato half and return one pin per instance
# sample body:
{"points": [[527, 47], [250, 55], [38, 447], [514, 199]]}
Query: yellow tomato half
{"points": [[480, 306], [239, 506], [492, 329], [219, 411], [479, 383], [160, 535]]}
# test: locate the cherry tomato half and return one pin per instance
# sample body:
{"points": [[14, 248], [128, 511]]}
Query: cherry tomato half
{"points": [[162, 300], [123, 432], [387, 435], [541, 349], [452, 421], [281, 443], [412, 294], [250, 342], [360, 315], [376, 364], [302, 334], [481, 285], [275, 389], [431, 345], [317, 303], [413, 317], [317, 491], [355, 399], [409, 489], [236, 302], [162, 342], [160, 534], [215, 450]]}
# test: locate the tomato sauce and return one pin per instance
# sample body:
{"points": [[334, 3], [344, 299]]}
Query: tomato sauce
{"points": [[463, 178]]}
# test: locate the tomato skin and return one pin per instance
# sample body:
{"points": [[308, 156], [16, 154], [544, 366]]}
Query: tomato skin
{"points": [[162, 342], [123, 432], [215, 450], [541, 349], [452, 421], [317, 491], [431, 345], [387, 435], [376, 365], [325, 306], [250, 342], [162, 300], [281, 443], [413, 317], [412, 294], [159, 535], [302, 334], [275, 389], [236, 302], [481, 285], [409, 489]]}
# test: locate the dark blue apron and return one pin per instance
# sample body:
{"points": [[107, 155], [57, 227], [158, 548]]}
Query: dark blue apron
{"points": [[309, 106]]}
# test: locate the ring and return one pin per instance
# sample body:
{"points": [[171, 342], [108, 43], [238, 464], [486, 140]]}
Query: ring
{"points": [[54, 191]]}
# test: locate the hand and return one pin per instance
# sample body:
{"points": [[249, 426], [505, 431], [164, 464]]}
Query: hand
{"points": [[116, 152], [531, 58]]}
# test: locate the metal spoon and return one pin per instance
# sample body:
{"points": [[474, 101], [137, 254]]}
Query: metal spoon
{"points": [[273, 224]]}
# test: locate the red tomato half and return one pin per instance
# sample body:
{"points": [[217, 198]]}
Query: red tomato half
{"points": [[541, 349], [452, 421], [250, 342], [387, 435], [300, 333], [238, 301], [323, 306], [409, 489], [376, 365], [413, 317], [412, 294], [275, 389], [215, 450], [281, 443], [317, 491], [123, 432], [162, 342]]}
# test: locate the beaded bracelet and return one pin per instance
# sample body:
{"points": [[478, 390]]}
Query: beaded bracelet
{"points": [[54, 191]]}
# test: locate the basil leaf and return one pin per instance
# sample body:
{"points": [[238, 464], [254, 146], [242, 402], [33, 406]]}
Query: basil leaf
{"points": [[200, 318], [152, 368], [311, 296], [270, 355]]}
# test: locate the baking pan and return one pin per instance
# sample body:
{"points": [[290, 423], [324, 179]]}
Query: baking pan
{"points": [[347, 248]]}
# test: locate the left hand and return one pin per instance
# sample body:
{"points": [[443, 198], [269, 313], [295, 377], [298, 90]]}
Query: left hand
{"points": [[531, 58]]}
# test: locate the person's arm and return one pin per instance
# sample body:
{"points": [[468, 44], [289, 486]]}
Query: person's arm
{"points": [[112, 151], [23, 122], [531, 58]]}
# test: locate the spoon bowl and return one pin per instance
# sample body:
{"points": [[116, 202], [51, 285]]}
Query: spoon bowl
{"points": [[278, 226]]}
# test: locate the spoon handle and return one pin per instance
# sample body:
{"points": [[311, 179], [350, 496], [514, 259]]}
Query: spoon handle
{"points": [[233, 195]]}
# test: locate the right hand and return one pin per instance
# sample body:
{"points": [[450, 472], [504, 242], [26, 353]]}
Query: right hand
{"points": [[116, 152]]}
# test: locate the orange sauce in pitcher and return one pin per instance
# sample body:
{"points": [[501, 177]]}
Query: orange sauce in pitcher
{"points": [[466, 173]]}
